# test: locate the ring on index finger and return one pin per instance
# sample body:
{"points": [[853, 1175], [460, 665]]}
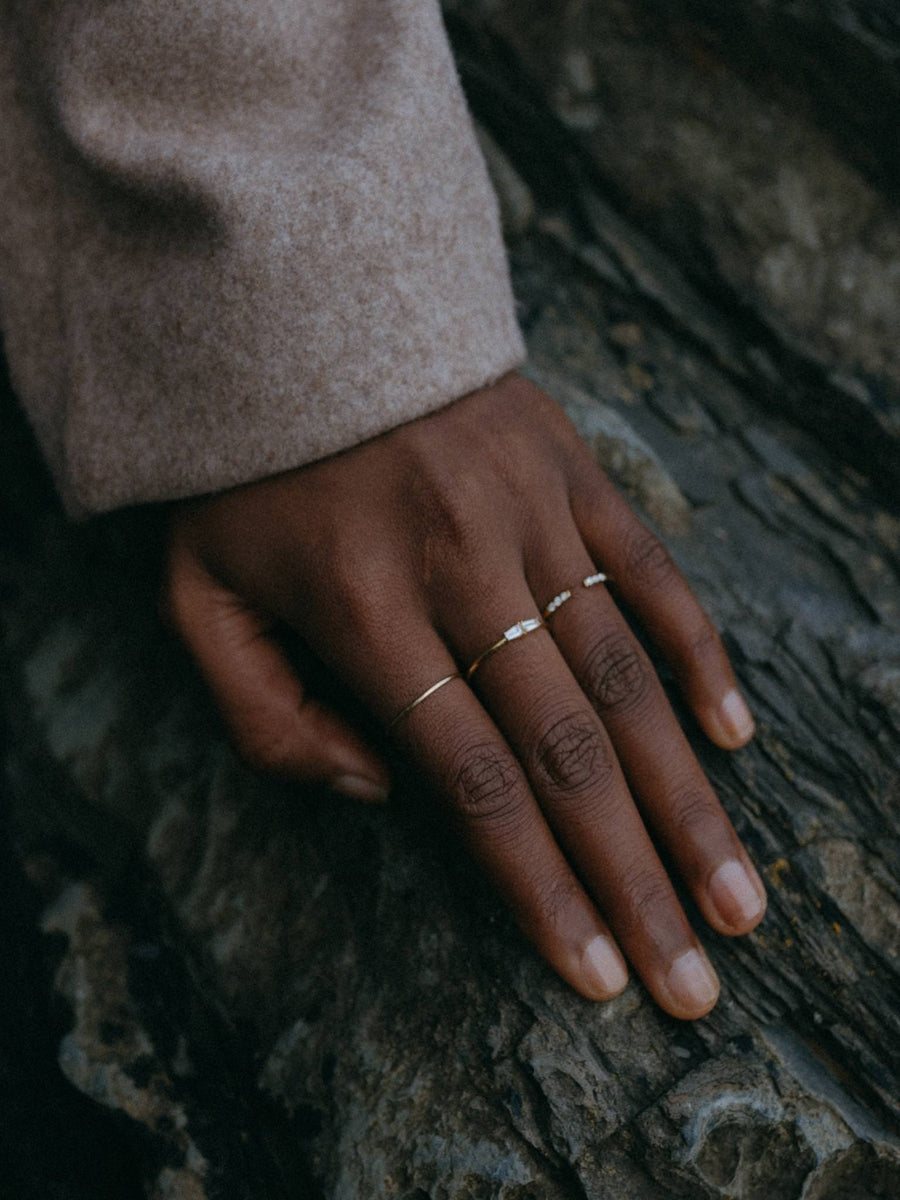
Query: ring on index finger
{"points": [[429, 691]]}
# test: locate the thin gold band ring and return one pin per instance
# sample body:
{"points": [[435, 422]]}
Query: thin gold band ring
{"points": [[519, 630], [435, 687]]}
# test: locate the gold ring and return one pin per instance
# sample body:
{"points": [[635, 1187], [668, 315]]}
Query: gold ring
{"points": [[519, 630], [561, 597], [418, 700]]}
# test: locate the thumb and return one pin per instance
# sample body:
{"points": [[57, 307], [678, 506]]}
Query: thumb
{"points": [[275, 726]]}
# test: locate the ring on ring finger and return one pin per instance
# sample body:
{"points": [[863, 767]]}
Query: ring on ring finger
{"points": [[562, 597]]}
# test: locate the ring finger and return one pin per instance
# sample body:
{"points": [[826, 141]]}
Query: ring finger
{"points": [[576, 778], [673, 792]]}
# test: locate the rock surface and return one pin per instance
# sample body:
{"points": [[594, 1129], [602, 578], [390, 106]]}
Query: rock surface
{"points": [[757, 144], [280, 994]]}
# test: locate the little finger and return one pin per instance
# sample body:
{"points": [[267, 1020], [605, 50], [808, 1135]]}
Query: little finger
{"points": [[671, 788], [649, 582]]}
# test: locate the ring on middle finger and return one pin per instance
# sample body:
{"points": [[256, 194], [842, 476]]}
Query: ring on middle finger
{"points": [[519, 630]]}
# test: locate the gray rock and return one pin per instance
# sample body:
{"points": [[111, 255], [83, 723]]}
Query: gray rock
{"points": [[756, 144], [513, 194], [621, 452]]}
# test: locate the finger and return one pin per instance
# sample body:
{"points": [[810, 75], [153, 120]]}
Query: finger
{"points": [[457, 749], [574, 774], [274, 724], [460, 753], [464, 756], [649, 582], [672, 790]]}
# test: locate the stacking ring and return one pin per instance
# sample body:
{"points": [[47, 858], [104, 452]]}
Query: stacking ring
{"points": [[519, 630], [561, 597], [435, 687]]}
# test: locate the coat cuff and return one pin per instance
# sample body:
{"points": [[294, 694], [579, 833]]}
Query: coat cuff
{"points": [[238, 238]]}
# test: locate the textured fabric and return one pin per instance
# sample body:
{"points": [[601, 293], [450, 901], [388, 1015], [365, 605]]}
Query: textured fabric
{"points": [[237, 235]]}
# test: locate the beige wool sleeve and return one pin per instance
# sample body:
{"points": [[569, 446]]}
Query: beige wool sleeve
{"points": [[237, 236]]}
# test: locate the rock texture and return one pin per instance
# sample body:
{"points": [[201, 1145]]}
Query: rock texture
{"points": [[757, 144], [279, 994]]}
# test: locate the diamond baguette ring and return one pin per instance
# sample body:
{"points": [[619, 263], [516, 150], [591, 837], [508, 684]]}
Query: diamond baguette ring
{"points": [[519, 630]]}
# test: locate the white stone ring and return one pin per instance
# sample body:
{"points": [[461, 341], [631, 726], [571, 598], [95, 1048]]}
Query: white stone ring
{"points": [[519, 630], [561, 597]]}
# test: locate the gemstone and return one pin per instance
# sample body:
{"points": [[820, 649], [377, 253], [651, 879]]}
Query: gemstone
{"points": [[557, 602]]}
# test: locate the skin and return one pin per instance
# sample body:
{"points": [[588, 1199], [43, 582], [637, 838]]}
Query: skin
{"points": [[562, 765]]}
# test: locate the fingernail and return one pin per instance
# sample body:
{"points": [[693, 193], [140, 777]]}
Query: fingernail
{"points": [[736, 716], [603, 967], [733, 893], [359, 788], [692, 983]]}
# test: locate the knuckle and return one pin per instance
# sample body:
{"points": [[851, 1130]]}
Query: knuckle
{"points": [[618, 677], [694, 813], [346, 570], [357, 589], [649, 563], [486, 785], [645, 890], [451, 508], [267, 746], [572, 753], [704, 644], [555, 899]]}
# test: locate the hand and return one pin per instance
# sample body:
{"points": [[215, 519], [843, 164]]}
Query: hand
{"points": [[399, 562]]}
